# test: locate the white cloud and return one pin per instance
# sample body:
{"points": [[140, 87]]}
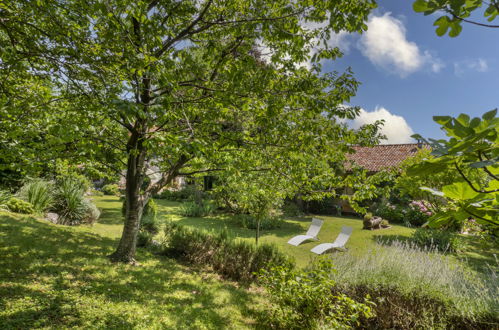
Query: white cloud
{"points": [[342, 40], [478, 65], [396, 129], [385, 44]]}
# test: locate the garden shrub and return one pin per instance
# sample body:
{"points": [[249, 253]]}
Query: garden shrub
{"points": [[416, 288], [290, 209], [4, 199], [415, 218], [167, 194], [233, 259], [187, 193], [111, 190], [19, 206], [144, 238], [150, 224], [194, 209], [324, 206], [441, 240], [92, 213], [305, 299], [150, 209], [249, 221], [39, 193], [418, 213], [64, 170], [390, 212], [71, 205]]}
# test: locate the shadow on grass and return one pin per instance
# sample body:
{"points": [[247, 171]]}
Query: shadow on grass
{"points": [[55, 276], [480, 254], [110, 211]]}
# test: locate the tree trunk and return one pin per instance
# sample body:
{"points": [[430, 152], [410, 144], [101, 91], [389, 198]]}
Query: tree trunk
{"points": [[134, 200]]}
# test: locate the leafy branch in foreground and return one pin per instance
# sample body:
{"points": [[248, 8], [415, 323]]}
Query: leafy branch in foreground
{"points": [[455, 12], [472, 153]]}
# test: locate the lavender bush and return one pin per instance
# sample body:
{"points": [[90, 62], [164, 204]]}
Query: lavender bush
{"points": [[411, 270]]}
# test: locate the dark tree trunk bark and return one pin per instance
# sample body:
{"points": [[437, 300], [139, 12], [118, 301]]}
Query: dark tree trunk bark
{"points": [[135, 201]]}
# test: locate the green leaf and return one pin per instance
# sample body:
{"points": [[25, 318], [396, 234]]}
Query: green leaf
{"points": [[464, 119], [442, 120], [459, 191], [475, 122], [455, 30], [432, 191], [420, 6], [483, 163], [443, 24], [490, 115]]}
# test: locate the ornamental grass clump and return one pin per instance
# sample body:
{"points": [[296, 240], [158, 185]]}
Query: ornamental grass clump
{"points": [[417, 287], [38, 192], [72, 206]]}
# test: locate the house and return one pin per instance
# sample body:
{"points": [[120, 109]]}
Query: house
{"points": [[381, 157]]}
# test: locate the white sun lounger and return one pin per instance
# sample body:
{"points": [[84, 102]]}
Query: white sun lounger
{"points": [[312, 233], [339, 243]]}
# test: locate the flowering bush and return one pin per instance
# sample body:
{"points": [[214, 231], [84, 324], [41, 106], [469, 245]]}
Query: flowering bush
{"points": [[421, 206], [418, 213]]}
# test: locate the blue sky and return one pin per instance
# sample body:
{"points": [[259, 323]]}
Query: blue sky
{"points": [[409, 74]]}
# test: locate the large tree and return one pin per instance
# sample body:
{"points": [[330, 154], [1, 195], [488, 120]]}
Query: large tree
{"points": [[193, 86]]}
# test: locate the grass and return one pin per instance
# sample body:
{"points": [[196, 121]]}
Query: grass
{"points": [[360, 241], [479, 255], [59, 277]]}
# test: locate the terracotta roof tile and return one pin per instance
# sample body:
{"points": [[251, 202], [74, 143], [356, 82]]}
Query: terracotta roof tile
{"points": [[383, 156]]}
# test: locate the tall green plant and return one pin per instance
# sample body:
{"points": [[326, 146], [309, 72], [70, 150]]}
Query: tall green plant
{"points": [[39, 192], [71, 205]]}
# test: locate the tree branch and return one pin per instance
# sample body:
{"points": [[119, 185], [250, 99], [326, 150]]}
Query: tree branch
{"points": [[185, 31], [479, 217], [471, 184], [485, 167], [469, 21]]}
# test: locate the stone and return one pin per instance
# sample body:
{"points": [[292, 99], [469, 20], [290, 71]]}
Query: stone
{"points": [[52, 217], [373, 223]]}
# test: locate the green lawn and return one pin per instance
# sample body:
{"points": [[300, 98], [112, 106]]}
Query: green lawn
{"points": [[476, 255], [59, 277], [360, 241]]}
